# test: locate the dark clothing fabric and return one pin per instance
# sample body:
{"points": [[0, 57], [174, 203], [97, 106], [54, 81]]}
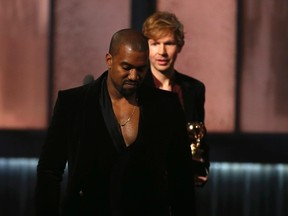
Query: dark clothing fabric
{"points": [[175, 88], [152, 177], [192, 96]]}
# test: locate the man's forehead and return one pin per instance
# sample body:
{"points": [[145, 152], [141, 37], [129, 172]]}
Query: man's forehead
{"points": [[131, 48], [126, 49], [168, 37]]}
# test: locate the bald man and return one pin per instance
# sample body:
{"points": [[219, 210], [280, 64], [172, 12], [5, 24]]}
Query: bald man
{"points": [[125, 145]]}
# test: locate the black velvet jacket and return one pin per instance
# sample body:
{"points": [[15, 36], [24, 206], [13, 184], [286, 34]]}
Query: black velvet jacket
{"points": [[157, 176], [193, 92]]}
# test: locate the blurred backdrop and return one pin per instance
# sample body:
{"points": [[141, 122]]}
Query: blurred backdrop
{"points": [[238, 48]]}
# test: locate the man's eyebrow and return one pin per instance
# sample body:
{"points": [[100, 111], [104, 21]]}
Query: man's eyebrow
{"points": [[124, 63]]}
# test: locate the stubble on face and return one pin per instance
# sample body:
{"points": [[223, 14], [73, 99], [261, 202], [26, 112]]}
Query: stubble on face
{"points": [[162, 54], [128, 70]]}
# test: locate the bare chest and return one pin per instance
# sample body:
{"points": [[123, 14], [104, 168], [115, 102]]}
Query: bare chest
{"points": [[128, 120]]}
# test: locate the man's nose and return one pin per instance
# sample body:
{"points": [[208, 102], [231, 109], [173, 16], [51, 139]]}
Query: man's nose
{"points": [[133, 74], [162, 49]]}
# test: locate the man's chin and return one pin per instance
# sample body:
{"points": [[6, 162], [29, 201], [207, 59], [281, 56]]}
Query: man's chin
{"points": [[128, 92], [162, 68]]}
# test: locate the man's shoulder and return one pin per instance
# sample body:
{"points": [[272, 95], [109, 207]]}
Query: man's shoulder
{"points": [[188, 81], [184, 77], [74, 91], [82, 89], [77, 95]]}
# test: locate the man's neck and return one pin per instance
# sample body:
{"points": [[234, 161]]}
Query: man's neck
{"points": [[165, 78]]}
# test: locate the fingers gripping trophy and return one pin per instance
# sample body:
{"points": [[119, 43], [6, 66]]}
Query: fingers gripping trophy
{"points": [[196, 131]]}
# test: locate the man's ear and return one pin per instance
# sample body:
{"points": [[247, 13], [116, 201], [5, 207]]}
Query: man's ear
{"points": [[108, 58]]}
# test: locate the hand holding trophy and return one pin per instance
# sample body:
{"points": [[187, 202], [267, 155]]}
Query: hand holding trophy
{"points": [[196, 131]]}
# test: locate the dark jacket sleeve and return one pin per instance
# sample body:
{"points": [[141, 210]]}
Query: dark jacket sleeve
{"points": [[194, 99], [51, 164], [181, 176], [203, 168]]}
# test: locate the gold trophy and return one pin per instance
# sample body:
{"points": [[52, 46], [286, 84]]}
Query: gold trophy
{"points": [[196, 131]]}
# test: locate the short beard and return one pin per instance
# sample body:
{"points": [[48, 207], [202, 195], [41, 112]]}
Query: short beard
{"points": [[127, 92]]}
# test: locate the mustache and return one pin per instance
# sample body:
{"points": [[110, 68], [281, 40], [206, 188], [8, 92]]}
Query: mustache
{"points": [[131, 82]]}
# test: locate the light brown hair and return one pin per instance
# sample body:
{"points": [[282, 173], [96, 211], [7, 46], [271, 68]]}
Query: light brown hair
{"points": [[163, 23]]}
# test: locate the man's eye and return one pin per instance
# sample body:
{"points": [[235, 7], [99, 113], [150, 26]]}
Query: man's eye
{"points": [[126, 68], [170, 43]]}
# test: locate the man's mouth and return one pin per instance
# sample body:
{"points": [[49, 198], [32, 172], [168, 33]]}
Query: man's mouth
{"points": [[133, 84], [162, 61]]}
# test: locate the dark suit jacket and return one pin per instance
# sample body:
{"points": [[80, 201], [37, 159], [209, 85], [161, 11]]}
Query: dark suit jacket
{"points": [[158, 177], [193, 92]]}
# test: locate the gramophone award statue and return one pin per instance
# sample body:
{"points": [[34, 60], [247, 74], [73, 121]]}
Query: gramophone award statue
{"points": [[196, 131]]}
